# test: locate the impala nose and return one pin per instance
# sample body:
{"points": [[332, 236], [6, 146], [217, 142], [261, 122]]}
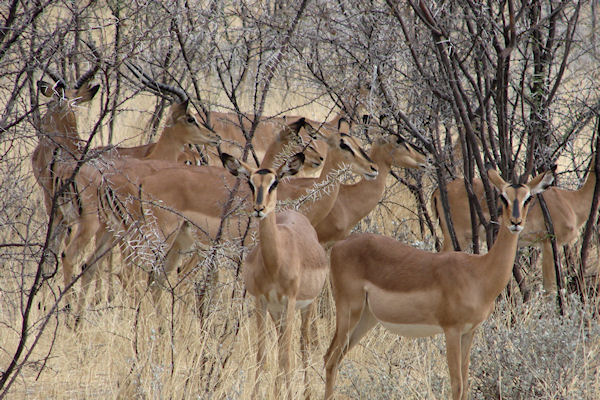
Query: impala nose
{"points": [[259, 212]]}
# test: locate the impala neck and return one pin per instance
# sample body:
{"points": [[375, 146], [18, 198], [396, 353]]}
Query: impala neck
{"points": [[318, 209], [277, 147], [496, 265], [581, 200], [363, 196], [269, 243], [61, 125], [167, 147]]}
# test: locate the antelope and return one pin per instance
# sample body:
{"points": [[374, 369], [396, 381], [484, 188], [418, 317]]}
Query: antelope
{"points": [[287, 268], [228, 126], [569, 210], [343, 148], [450, 293], [355, 201], [180, 124], [181, 127], [200, 193], [59, 141]]}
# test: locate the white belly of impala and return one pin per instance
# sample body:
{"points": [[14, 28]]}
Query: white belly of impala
{"points": [[412, 330], [277, 305]]}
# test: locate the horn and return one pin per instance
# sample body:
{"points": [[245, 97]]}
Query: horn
{"points": [[92, 71], [55, 76], [154, 86]]}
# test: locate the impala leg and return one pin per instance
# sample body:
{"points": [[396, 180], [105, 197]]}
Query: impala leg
{"points": [[104, 271], [98, 286], [82, 234], [465, 348], [184, 241], [50, 264], [353, 321], [60, 231], [454, 358], [103, 245], [110, 291], [548, 273], [261, 314], [307, 342], [285, 328]]}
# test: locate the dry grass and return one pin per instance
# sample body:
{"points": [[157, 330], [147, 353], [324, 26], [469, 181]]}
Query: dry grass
{"points": [[126, 351]]}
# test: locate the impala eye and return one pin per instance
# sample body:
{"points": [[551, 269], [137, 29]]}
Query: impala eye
{"points": [[504, 200], [191, 120], [251, 187], [344, 146], [527, 200], [273, 186]]}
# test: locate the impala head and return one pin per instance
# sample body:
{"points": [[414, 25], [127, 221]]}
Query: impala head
{"points": [[312, 156], [61, 110], [187, 129], [348, 148], [263, 181], [402, 154], [516, 197]]}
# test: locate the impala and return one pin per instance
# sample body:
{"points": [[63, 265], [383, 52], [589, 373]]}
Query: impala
{"points": [[229, 127], [81, 210], [59, 141], [416, 293], [181, 125], [355, 201], [199, 194], [285, 271], [569, 210]]}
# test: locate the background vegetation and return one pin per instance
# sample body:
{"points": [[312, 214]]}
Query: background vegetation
{"points": [[510, 82]]}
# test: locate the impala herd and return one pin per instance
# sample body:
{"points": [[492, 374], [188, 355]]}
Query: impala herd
{"points": [[158, 201]]}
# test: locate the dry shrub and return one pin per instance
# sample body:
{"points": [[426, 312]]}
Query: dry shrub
{"points": [[538, 354]]}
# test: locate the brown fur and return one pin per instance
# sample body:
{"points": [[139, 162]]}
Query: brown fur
{"points": [[287, 265], [376, 278], [355, 201], [569, 210]]}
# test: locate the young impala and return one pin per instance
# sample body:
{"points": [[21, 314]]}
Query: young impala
{"points": [[416, 293]]}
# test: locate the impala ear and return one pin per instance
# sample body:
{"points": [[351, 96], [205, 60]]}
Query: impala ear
{"points": [[296, 126], [541, 182], [235, 166], [45, 88], [495, 178], [179, 109], [49, 90], [292, 166], [343, 125], [312, 132], [87, 93]]}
